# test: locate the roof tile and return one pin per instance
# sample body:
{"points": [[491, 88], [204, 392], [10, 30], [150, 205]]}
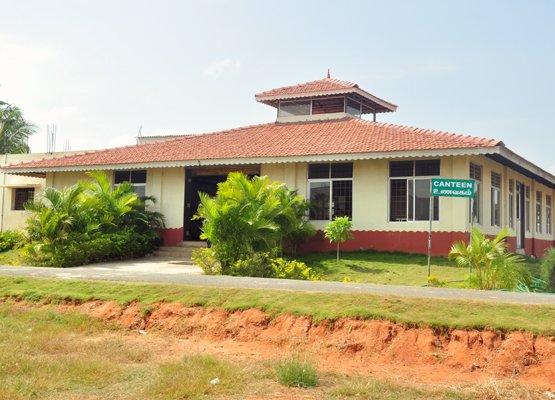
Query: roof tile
{"points": [[344, 136], [321, 85]]}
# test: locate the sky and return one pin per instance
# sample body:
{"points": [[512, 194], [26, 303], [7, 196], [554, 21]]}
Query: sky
{"points": [[100, 70]]}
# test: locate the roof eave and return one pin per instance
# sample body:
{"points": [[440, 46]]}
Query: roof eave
{"points": [[271, 100], [263, 160]]}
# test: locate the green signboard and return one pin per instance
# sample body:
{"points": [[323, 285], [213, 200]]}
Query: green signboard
{"points": [[453, 187]]}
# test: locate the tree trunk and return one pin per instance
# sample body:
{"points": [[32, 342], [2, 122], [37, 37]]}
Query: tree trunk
{"points": [[338, 252]]}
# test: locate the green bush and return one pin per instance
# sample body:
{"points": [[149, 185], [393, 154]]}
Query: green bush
{"points": [[206, 259], [260, 265], [90, 222], [292, 269], [297, 373], [435, 282], [80, 250], [10, 240], [492, 266], [251, 215], [548, 269], [256, 265]]}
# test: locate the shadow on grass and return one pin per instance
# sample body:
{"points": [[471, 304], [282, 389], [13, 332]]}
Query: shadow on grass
{"points": [[316, 259], [364, 270]]}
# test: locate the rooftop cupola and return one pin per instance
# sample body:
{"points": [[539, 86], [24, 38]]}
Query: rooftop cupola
{"points": [[326, 98]]}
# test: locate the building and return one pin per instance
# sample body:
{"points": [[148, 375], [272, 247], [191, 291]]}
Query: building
{"points": [[376, 173], [16, 190]]}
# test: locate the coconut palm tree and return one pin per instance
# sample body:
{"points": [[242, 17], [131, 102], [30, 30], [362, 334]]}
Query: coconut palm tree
{"points": [[14, 130]]}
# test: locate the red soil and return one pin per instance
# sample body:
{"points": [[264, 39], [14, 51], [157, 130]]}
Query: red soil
{"points": [[350, 346]]}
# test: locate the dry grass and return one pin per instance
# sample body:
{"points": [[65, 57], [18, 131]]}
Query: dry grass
{"points": [[503, 390], [190, 378], [45, 354]]}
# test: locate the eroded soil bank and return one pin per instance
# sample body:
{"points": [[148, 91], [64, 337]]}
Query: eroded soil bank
{"points": [[379, 348]]}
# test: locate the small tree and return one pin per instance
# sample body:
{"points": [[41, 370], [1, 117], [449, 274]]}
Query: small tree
{"points": [[339, 231]]}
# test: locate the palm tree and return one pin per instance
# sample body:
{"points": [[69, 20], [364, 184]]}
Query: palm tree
{"points": [[249, 216], [493, 267], [56, 214], [120, 206], [14, 130]]}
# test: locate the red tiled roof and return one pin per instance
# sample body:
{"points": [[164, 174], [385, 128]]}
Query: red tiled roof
{"points": [[321, 85], [344, 136]]}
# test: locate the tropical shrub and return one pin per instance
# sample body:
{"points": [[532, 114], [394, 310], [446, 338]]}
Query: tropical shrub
{"points": [[492, 266], [257, 265], [292, 269], [433, 281], [249, 216], [339, 231], [548, 270], [89, 222], [10, 239], [206, 259]]}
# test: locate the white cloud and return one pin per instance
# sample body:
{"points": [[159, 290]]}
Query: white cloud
{"points": [[217, 68]]}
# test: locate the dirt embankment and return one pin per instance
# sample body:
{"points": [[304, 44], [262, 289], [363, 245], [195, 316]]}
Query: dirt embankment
{"points": [[347, 345]]}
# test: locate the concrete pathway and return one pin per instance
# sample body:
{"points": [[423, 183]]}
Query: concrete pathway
{"points": [[164, 270]]}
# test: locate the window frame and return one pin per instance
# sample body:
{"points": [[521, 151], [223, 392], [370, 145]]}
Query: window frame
{"points": [[475, 205], [527, 211], [511, 203], [548, 215], [133, 184], [539, 216], [413, 179], [329, 180], [16, 205], [496, 194]]}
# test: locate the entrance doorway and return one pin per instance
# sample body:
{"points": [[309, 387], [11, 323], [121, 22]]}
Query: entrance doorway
{"points": [[205, 180], [520, 225]]}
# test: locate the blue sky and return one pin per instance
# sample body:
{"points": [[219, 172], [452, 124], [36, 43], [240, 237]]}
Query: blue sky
{"points": [[100, 69]]}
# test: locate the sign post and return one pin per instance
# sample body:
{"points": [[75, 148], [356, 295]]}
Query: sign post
{"points": [[447, 188]]}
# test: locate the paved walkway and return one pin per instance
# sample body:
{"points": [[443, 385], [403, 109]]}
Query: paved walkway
{"points": [[163, 270]]}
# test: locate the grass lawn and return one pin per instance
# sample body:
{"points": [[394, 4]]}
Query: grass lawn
{"points": [[45, 354], [389, 268], [319, 306], [11, 257]]}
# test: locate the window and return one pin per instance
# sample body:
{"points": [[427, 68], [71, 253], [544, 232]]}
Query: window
{"points": [[527, 207], [136, 178], [22, 196], [476, 174], [353, 108], [409, 190], [548, 216], [331, 190], [328, 105], [511, 203], [293, 108], [538, 211], [495, 199]]}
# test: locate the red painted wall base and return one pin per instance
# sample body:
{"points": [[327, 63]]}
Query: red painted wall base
{"points": [[408, 242], [171, 236], [411, 242]]}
